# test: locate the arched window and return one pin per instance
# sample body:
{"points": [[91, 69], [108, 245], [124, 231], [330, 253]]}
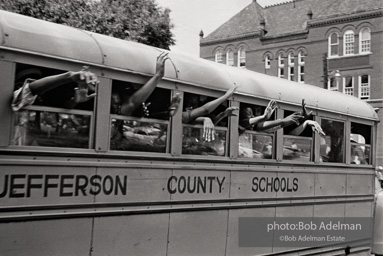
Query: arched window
{"points": [[333, 44], [301, 67], [241, 58], [365, 40], [348, 42], [230, 58], [281, 66], [218, 56], [267, 62], [291, 68]]}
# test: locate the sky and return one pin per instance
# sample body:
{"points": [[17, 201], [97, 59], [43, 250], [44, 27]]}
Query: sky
{"points": [[189, 17]]}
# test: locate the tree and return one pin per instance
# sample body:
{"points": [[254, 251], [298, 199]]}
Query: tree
{"points": [[142, 21]]}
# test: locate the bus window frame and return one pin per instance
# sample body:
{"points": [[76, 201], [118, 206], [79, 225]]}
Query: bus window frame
{"points": [[8, 73], [372, 145], [255, 101], [314, 140], [50, 63], [185, 88], [346, 138], [129, 76]]}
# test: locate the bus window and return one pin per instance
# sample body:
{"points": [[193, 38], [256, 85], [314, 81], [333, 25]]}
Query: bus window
{"points": [[53, 120], [298, 147], [194, 141], [253, 144], [332, 145], [146, 129], [360, 143]]}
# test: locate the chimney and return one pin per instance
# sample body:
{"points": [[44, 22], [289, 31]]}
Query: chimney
{"points": [[310, 14], [201, 34], [262, 24]]}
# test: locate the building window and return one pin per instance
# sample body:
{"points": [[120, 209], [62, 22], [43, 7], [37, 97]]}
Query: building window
{"points": [[230, 58], [281, 66], [364, 87], [365, 40], [267, 62], [348, 42], [333, 44], [241, 58], [291, 62], [333, 84], [218, 56], [301, 67], [348, 83]]}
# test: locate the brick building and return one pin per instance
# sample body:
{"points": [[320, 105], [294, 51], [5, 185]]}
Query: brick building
{"points": [[333, 44]]}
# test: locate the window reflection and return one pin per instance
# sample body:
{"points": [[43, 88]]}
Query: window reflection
{"points": [[332, 145], [295, 148], [51, 129], [193, 142], [252, 145], [133, 135], [360, 144]]}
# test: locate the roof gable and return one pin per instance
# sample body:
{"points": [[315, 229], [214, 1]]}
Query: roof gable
{"points": [[289, 17], [342, 7], [245, 22]]}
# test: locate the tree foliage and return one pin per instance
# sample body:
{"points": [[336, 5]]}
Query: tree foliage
{"points": [[136, 20]]}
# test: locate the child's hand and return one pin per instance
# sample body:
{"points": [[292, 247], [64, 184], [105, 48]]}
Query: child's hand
{"points": [[270, 109], [160, 65]]}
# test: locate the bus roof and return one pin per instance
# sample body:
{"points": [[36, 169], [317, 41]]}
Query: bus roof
{"points": [[22, 33]]}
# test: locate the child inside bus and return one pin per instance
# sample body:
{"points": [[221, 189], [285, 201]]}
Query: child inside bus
{"points": [[293, 124], [129, 100], [28, 92], [297, 122], [200, 109], [195, 112], [37, 126], [130, 104]]}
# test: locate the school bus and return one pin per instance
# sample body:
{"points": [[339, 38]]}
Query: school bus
{"points": [[70, 186]]}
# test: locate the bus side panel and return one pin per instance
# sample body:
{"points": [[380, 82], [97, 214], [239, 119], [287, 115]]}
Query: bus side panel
{"points": [[360, 209], [7, 74], [46, 238], [330, 184], [232, 247], [360, 184], [140, 235], [142, 185], [198, 233], [329, 210]]}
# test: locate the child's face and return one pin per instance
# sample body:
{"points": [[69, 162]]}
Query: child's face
{"points": [[258, 111], [191, 103], [248, 112]]}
